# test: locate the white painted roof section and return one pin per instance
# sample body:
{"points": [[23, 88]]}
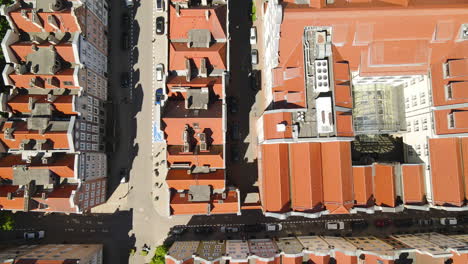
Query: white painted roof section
{"points": [[423, 246], [443, 241], [322, 82], [340, 244], [373, 245], [324, 114]]}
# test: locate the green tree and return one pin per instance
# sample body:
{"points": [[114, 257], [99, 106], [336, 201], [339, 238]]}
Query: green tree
{"points": [[4, 26], [6, 221], [158, 257]]}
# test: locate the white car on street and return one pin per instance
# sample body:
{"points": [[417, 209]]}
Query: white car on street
{"points": [[34, 235], [159, 72], [334, 225], [273, 227], [253, 35], [448, 221]]}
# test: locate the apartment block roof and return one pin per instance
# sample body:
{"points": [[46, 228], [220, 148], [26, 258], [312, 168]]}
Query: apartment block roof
{"points": [[447, 170], [62, 165], [56, 135], [180, 179], [24, 49], [187, 19], [174, 83], [237, 249], [181, 204], [62, 79], [215, 56], [183, 250], [263, 248], [213, 157], [24, 104], [211, 250]]}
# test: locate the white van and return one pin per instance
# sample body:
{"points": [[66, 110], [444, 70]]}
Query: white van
{"points": [[334, 225], [129, 3], [159, 72]]}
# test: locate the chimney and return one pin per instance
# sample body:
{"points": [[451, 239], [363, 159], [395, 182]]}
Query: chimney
{"points": [[207, 15], [31, 102], [10, 196], [204, 2], [51, 98], [8, 133], [177, 9], [188, 68], [45, 160], [44, 196], [203, 69]]}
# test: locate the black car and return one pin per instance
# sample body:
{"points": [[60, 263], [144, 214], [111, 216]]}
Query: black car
{"points": [[255, 80], [124, 80], [125, 20], [125, 41], [235, 132], [253, 228], [235, 153], [359, 225], [406, 222], [203, 229], [232, 104], [160, 25]]}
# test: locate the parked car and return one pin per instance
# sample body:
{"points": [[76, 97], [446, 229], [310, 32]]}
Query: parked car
{"points": [[128, 3], [253, 228], [123, 175], [204, 229], [125, 41], [253, 35], [124, 80], [235, 132], [359, 225], [159, 96], [229, 229], [448, 221], [334, 225], [254, 57], [407, 222], [383, 222], [159, 72], [255, 80], [125, 20], [34, 235], [178, 231], [160, 25], [425, 222], [232, 104], [160, 5], [235, 153], [273, 227]]}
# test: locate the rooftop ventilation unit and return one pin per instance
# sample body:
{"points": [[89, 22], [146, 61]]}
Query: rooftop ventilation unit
{"points": [[203, 145], [322, 83], [324, 115], [280, 127]]}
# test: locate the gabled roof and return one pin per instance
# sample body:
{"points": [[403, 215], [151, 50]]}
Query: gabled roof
{"points": [[443, 119], [65, 20], [179, 52], [59, 79], [337, 176], [64, 50], [363, 185], [181, 180], [384, 185], [413, 183], [212, 158], [306, 176], [20, 103], [447, 171], [214, 84], [275, 189], [213, 19], [62, 165]]}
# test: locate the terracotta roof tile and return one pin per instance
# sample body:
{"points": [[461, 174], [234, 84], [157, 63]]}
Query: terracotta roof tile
{"points": [[446, 170], [64, 75], [384, 185], [195, 18], [306, 176], [363, 185], [64, 50], [413, 183], [179, 52], [212, 158], [272, 120], [214, 84], [442, 119], [181, 180], [344, 124], [66, 21], [275, 178], [337, 175], [64, 103]]}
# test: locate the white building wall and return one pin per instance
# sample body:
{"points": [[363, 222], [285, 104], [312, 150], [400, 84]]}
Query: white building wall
{"points": [[92, 58], [271, 30], [419, 125]]}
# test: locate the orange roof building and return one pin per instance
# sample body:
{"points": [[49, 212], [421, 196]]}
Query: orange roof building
{"points": [[413, 183], [363, 185], [385, 192]]}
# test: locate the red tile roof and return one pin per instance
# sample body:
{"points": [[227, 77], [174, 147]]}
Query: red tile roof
{"points": [[337, 176], [179, 52], [64, 50], [58, 139], [446, 170], [212, 158], [65, 75], [384, 185], [66, 21], [272, 120], [344, 124], [214, 84], [442, 120], [63, 104], [413, 183], [213, 19], [62, 166], [275, 189], [306, 176], [180, 205], [181, 180], [363, 185]]}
